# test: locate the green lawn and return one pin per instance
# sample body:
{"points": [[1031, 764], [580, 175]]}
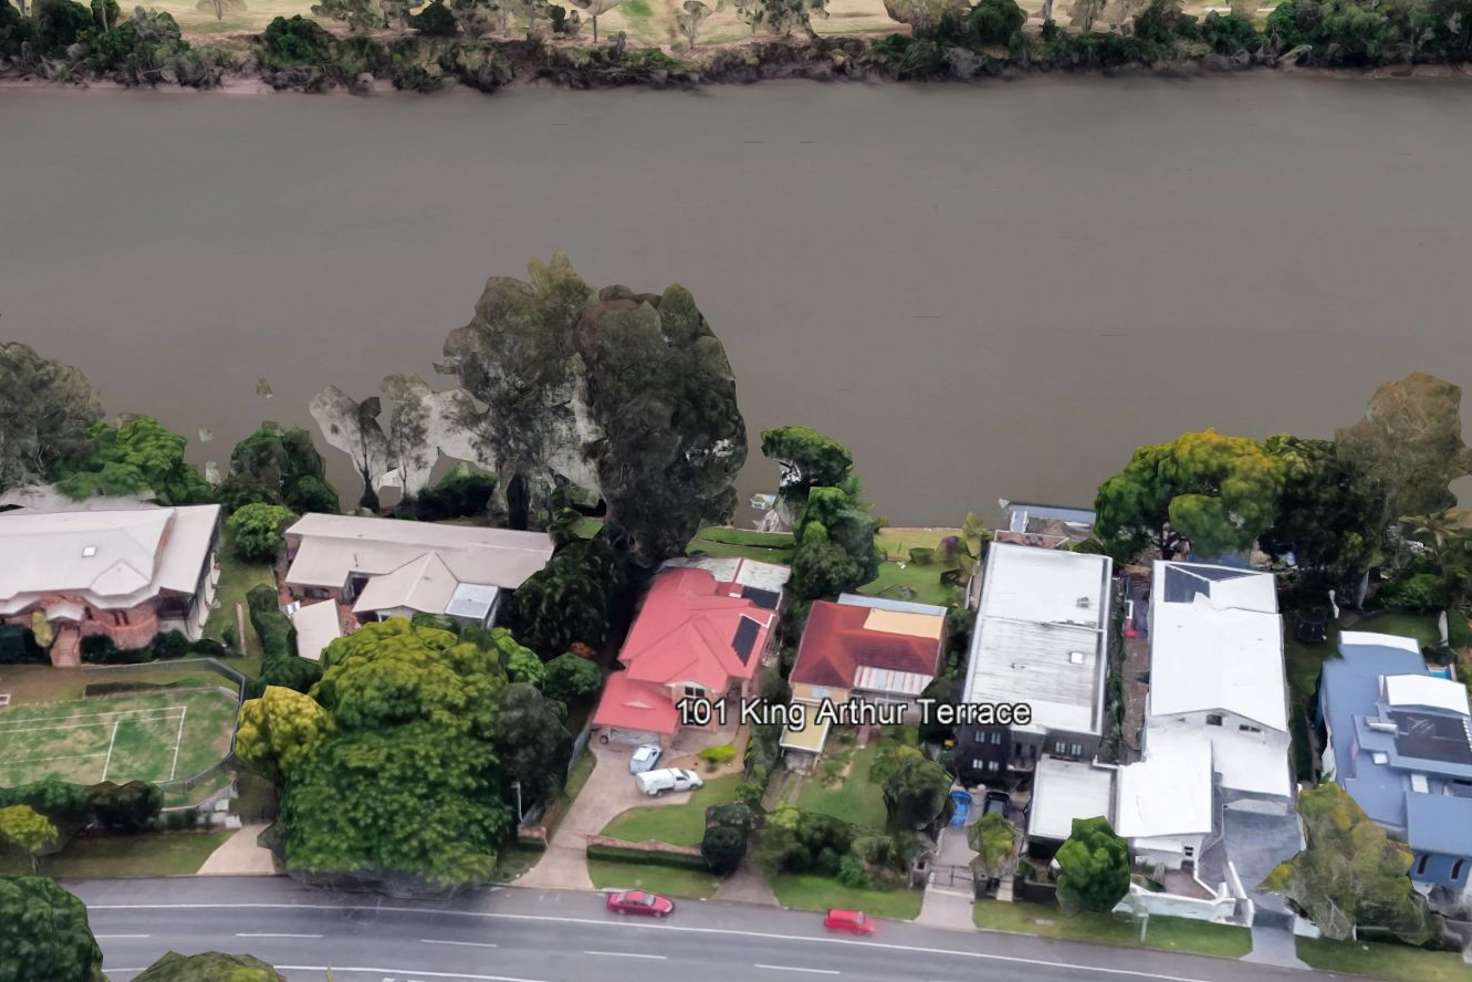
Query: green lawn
{"points": [[578, 776], [1423, 627], [515, 860], [920, 584], [804, 891], [856, 799], [679, 825], [722, 542], [1165, 933], [237, 578], [149, 854], [609, 875], [1384, 961]]}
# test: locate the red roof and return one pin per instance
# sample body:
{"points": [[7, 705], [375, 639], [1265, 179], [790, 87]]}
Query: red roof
{"points": [[687, 631], [635, 706], [835, 644]]}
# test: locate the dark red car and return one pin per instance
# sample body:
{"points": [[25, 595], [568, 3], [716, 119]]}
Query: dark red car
{"points": [[640, 902], [852, 921]]}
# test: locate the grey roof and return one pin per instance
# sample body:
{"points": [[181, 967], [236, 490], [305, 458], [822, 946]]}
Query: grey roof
{"points": [[1350, 698], [1439, 823], [884, 603]]}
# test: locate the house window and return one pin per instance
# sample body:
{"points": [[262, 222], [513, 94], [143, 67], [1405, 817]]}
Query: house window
{"points": [[997, 738], [1213, 719], [1078, 750], [1421, 866], [992, 765], [1249, 729], [1190, 852], [977, 764], [1060, 748], [1457, 869], [694, 692]]}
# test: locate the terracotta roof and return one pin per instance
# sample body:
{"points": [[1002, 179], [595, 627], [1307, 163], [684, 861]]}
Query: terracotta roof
{"points": [[688, 629], [840, 639], [634, 705]]}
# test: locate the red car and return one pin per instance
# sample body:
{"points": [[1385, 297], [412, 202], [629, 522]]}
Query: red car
{"points": [[852, 921], [640, 902]]}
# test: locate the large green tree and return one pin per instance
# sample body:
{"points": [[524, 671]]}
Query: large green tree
{"points": [[1410, 443], [1352, 873], [530, 739], [44, 934], [1094, 867], [915, 793], [994, 840], [393, 777], [209, 966], [278, 465], [808, 459], [571, 600], [1219, 493], [1328, 514], [628, 396], [835, 549], [570, 678], [727, 830], [138, 455], [257, 529], [47, 410]]}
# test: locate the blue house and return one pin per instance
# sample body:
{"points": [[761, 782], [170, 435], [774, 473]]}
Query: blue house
{"points": [[1400, 743]]}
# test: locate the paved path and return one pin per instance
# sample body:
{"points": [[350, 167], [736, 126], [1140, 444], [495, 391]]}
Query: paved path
{"points": [[241, 855], [747, 886], [1274, 946], [517, 935], [947, 904]]}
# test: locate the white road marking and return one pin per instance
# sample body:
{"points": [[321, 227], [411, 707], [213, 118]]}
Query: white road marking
{"points": [[86, 719], [407, 973], [178, 742], [112, 741], [117, 937], [273, 934], [794, 968], [463, 944], [627, 954], [645, 926]]}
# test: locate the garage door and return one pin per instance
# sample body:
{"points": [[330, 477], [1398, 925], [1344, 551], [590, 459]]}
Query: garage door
{"points": [[631, 737]]}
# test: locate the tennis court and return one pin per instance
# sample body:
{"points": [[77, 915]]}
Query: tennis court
{"points": [[155, 736]]}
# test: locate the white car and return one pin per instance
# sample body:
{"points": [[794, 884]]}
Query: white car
{"points": [[655, 783], [645, 758]]}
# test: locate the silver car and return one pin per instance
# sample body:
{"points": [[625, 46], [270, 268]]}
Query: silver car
{"points": [[645, 758]]}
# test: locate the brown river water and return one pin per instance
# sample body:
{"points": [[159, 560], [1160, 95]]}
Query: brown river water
{"points": [[984, 291]]}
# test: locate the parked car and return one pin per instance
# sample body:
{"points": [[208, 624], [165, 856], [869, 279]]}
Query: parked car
{"points": [[640, 902], [654, 783], [851, 921], [997, 801], [645, 758]]}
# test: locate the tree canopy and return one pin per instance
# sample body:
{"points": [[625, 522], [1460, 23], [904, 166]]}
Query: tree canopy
{"points": [[44, 934], [132, 457], [1217, 492], [1352, 873], [571, 600], [915, 793], [25, 829], [389, 769], [530, 739], [570, 678], [257, 528], [994, 840], [727, 830], [835, 550], [808, 459], [1095, 867], [209, 966], [278, 466], [626, 395], [47, 410], [1329, 512], [1410, 443]]}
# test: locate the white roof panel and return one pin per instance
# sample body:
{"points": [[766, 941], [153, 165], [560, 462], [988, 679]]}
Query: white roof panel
{"points": [[1169, 792], [1430, 691], [1063, 790], [317, 626]]}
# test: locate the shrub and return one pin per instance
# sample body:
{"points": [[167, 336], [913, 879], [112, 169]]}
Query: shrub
{"points": [[310, 494], [749, 793], [59, 24], [1162, 21], [716, 756], [295, 41], [435, 20], [569, 678], [125, 807], [1418, 591], [995, 21], [1228, 33], [170, 645], [67, 805], [18, 645], [257, 528], [853, 873], [922, 555]]}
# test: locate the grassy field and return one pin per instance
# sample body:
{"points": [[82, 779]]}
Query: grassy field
{"points": [[610, 875], [237, 578], [854, 798], [722, 542], [1383, 961], [1165, 933], [31, 684], [150, 737], [802, 891], [150, 854], [679, 825]]}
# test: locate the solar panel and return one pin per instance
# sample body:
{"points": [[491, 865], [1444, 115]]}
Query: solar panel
{"points": [[1182, 587], [746, 633], [1428, 736], [765, 599]]}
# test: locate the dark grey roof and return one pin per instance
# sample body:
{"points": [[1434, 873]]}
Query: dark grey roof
{"points": [[765, 599]]}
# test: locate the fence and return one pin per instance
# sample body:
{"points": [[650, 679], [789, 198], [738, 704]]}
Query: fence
{"points": [[183, 784]]}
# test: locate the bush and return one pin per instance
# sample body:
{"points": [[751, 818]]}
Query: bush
{"points": [[853, 873], [1163, 21], [257, 530], [435, 20], [750, 793], [125, 807], [18, 645], [1228, 33], [295, 41], [922, 555], [716, 756], [312, 494], [59, 24], [1418, 591], [995, 21], [646, 857], [170, 645], [68, 806], [569, 679]]}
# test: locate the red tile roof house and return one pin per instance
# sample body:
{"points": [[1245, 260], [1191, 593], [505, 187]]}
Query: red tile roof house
{"points": [[862, 649], [694, 637]]}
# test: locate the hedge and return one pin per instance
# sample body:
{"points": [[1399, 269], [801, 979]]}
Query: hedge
{"points": [[635, 853], [123, 807], [99, 649]]}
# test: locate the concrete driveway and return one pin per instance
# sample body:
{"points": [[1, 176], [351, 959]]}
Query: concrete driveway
{"points": [[610, 791]]}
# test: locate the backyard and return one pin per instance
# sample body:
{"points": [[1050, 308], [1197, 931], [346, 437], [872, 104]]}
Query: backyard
{"points": [[1165, 933], [840, 785], [237, 578]]}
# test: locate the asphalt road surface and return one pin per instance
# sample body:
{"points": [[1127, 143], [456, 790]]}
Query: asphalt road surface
{"points": [[522, 935]]}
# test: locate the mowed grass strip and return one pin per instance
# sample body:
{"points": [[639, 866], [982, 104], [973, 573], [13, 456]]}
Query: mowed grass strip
{"points": [[71, 739]]}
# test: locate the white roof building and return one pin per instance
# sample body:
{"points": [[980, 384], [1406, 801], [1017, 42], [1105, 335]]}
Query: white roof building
{"points": [[1041, 636], [1168, 793], [1216, 669], [459, 570], [1064, 790], [317, 625], [109, 559]]}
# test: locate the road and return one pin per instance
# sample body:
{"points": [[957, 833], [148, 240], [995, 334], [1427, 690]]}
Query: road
{"points": [[523, 935]]}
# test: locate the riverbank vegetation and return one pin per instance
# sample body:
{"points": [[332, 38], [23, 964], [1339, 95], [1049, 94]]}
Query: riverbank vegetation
{"points": [[486, 44]]}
